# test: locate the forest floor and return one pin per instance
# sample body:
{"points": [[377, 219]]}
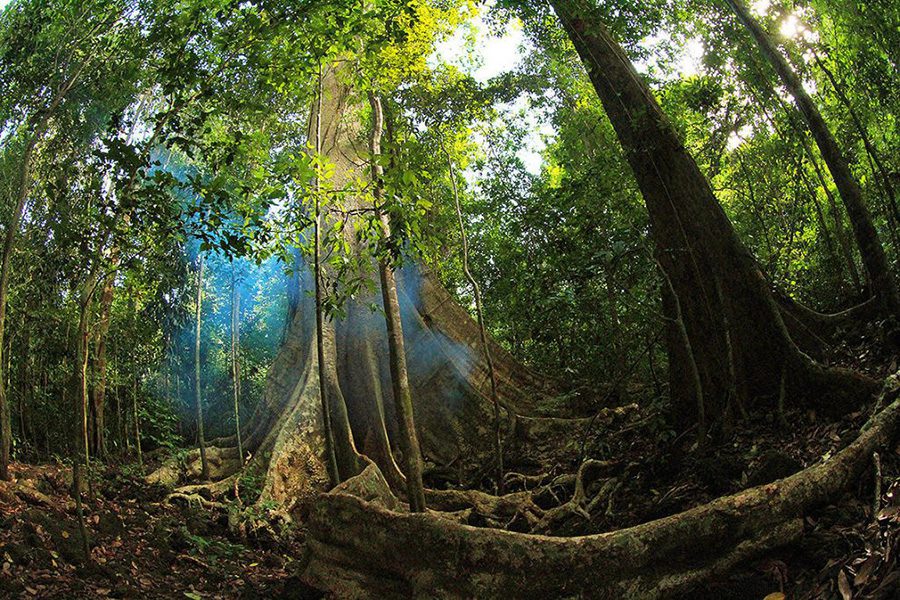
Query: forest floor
{"points": [[849, 550], [143, 546]]}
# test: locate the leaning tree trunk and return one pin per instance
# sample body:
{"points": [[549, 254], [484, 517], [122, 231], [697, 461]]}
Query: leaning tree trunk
{"points": [[878, 167], [839, 229], [873, 256], [38, 124], [714, 276], [12, 229]]}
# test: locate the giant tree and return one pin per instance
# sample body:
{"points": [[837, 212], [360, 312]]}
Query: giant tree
{"points": [[738, 339], [447, 379]]}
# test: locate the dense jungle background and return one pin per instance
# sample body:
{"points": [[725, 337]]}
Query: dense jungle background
{"points": [[449, 299]]}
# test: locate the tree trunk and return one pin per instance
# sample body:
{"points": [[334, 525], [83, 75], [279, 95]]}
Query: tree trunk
{"points": [[836, 215], [82, 350], [831, 250], [409, 441], [330, 452], [80, 452], [99, 391], [120, 423], [714, 276], [9, 237], [878, 168], [446, 371], [41, 120], [235, 365], [137, 420], [25, 382], [485, 347], [201, 441], [874, 259]]}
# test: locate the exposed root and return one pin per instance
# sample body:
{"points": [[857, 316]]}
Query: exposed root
{"points": [[538, 428], [214, 489], [223, 462], [191, 499], [526, 482], [502, 509], [578, 505], [364, 550], [825, 322]]}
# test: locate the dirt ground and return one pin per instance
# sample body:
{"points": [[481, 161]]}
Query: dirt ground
{"points": [[141, 546]]}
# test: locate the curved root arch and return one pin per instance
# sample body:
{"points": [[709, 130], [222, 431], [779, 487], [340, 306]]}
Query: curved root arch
{"points": [[363, 546]]}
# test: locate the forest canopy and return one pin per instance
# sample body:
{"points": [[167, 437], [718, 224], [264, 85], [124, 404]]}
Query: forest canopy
{"points": [[601, 294]]}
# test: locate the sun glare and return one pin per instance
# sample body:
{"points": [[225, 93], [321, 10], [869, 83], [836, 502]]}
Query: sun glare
{"points": [[791, 27], [760, 7], [737, 138]]}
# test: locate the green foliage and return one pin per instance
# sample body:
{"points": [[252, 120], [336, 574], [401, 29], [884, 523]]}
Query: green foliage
{"points": [[250, 484], [183, 128], [212, 550]]}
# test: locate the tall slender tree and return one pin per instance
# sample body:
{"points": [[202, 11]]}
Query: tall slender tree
{"points": [[871, 249], [198, 399], [409, 441], [98, 393], [235, 356], [482, 331]]}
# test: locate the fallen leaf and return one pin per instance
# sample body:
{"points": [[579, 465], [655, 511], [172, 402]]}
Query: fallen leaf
{"points": [[890, 512], [865, 571], [775, 596], [65, 535], [844, 586]]}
